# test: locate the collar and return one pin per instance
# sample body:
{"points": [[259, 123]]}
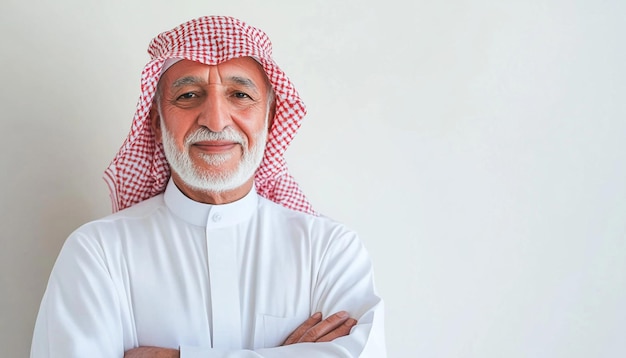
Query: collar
{"points": [[209, 215]]}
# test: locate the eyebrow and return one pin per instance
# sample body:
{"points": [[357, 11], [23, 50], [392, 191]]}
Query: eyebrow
{"points": [[246, 82], [189, 80], [193, 80]]}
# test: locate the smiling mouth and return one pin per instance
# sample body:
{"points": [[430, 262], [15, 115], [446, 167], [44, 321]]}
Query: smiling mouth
{"points": [[215, 147]]}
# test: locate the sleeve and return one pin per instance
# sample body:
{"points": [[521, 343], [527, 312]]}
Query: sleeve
{"points": [[79, 314], [345, 281]]}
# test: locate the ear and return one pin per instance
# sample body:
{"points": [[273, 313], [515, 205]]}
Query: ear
{"points": [[155, 123]]}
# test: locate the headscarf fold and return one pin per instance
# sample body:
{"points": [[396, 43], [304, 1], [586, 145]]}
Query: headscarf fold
{"points": [[140, 171]]}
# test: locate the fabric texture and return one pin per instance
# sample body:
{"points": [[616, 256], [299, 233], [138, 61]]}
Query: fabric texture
{"points": [[231, 280], [140, 171]]}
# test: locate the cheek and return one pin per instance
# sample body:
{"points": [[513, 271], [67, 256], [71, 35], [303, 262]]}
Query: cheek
{"points": [[176, 127], [175, 136], [250, 122], [256, 133]]}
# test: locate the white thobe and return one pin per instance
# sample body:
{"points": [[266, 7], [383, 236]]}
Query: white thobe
{"points": [[229, 280]]}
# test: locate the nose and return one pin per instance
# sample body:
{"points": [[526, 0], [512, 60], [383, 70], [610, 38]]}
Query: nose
{"points": [[214, 114]]}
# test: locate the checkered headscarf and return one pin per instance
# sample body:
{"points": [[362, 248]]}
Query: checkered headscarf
{"points": [[140, 171]]}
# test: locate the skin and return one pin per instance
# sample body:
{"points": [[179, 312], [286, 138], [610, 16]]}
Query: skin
{"points": [[193, 95], [234, 93], [315, 329]]}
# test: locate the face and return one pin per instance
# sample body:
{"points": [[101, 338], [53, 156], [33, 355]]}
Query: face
{"points": [[213, 123]]}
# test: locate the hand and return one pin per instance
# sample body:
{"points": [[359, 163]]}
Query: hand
{"points": [[152, 352], [316, 330]]}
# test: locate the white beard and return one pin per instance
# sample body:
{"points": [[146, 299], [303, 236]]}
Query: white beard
{"points": [[214, 181]]}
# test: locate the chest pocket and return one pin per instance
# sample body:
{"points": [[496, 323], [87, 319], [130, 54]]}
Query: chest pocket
{"points": [[272, 331]]}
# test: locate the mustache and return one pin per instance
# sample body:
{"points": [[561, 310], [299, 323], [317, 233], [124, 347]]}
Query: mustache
{"points": [[205, 134]]}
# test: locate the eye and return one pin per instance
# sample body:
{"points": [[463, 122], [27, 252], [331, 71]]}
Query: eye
{"points": [[241, 95], [188, 95]]}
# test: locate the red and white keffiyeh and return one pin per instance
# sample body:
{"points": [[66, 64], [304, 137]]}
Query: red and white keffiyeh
{"points": [[140, 171]]}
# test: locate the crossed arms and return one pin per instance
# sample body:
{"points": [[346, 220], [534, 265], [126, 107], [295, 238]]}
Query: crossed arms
{"points": [[314, 329], [92, 309]]}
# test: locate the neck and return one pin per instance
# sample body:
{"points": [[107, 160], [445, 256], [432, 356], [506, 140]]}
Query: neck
{"points": [[213, 198]]}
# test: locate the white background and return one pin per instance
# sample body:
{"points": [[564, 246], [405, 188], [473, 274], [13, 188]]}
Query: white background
{"points": [[476, 146]]}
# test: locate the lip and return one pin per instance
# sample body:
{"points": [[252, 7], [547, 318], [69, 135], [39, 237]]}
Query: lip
{"points": [[215, 147]]}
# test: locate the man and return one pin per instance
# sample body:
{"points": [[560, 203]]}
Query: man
{"points": [[214, 251]]}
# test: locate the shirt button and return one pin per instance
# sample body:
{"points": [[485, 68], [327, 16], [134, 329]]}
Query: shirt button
{"points": [[216, 217]]}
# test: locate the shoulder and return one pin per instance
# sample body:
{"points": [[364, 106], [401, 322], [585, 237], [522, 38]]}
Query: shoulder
{"points": [[268, 207], [107, 228], [316, 228], [138, 211]]}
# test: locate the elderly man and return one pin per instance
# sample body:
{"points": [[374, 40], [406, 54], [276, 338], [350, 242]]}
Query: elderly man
{"points": [[213, 250]]}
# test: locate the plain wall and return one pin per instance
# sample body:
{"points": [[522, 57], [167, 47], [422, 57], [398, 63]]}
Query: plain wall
{"points": [[476, 146]]}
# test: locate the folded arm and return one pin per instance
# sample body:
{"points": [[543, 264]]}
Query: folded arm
{"points": [[81, 314], [314, 329]]}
